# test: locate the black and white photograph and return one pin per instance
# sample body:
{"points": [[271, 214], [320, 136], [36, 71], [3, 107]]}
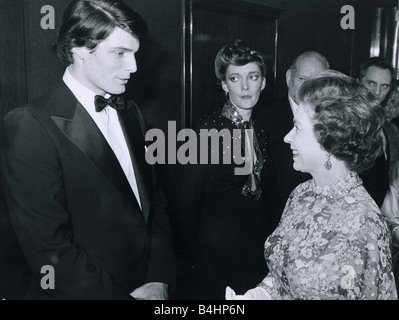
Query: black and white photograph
{"points": [[199, 153]]}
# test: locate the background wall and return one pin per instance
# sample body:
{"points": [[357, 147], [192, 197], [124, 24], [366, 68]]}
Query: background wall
{"points": [[28, 64], [28, 67], [312, 25]]}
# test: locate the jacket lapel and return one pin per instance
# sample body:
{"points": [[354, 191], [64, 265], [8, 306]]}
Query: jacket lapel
{"points": [[82, 131], [133, 129]]}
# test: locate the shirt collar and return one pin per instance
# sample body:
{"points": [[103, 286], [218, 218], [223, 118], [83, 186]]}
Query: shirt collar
{"points": [[230, 112], [84, 95]]}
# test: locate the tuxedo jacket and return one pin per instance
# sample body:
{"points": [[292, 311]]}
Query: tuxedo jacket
{"points": [[72, 207]]}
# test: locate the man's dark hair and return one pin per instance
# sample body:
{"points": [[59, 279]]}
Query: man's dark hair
{"points": [[375, 62], [86, 23]]}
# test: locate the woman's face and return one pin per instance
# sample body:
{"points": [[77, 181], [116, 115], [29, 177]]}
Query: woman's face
{"points": [[307, 153], [244, 84]]}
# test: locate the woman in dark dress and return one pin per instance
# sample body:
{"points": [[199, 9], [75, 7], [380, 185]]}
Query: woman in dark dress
{"points": [[222, 214]]}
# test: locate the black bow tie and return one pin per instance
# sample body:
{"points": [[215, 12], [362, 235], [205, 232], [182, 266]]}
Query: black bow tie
{"points": [[116, 102]]}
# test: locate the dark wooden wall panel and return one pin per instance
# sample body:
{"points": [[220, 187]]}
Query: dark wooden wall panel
{"points": [[13, 270], [215, 26], [12, 59], [157, 85], [312, 25], [43, 67]]}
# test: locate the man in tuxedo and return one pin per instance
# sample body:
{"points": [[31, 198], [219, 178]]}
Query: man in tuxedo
{"points": [[278, 117], [81, 197]]}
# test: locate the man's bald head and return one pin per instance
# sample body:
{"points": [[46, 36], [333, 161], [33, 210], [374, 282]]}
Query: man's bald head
{"points": [[304, 66]]}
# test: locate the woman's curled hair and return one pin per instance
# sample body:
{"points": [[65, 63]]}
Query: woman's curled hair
{"points": [[348, 119], [237, 54]]}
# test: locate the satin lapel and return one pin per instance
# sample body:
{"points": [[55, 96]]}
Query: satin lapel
{"points": [[135, 140], [82, 131]]}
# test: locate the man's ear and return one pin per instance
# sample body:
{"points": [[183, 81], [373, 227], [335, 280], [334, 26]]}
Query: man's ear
{"points": [[288, 76], [263, 84], [80, 52]]}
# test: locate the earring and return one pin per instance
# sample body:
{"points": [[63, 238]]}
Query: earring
{"points": [[328, 164], [227, 96]]}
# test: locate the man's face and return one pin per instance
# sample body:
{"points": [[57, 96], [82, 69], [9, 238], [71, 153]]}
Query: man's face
{"points": [[107, 69], [377, 81], [305, 69]]}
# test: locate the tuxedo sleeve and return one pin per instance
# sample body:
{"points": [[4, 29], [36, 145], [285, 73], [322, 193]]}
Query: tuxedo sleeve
{"points": [[162, 262], [33, 180]]}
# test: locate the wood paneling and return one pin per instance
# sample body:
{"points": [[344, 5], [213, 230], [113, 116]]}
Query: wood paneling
{"points": [[43, 67], [12, 58], [215, 24], [13, 269], [157, 84], [313, 25]]}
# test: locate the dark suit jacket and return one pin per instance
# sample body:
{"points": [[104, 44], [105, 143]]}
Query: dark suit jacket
{"points": [[278, 118], [376, 179], [72, 206]]}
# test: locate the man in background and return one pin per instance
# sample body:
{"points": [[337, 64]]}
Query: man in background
{"points": [[278, 117], [377, 76]]}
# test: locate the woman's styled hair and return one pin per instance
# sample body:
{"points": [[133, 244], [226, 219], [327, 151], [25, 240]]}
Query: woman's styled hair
{"points": [[237, 54], [86, 23], [348, 119], [391, 107]]}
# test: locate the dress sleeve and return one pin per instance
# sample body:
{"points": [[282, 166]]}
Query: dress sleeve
{"points": [[269, 288], [357, 265]]}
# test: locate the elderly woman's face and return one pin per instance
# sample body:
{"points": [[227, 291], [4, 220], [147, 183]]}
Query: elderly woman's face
{"points": [[306, 151], [244, 84]]}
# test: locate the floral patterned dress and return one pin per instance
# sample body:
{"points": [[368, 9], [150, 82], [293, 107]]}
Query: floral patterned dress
{"points": [[331, 243]]}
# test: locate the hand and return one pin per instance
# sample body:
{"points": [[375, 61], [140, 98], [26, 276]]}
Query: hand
{"points": [[231, 295], [151, 291], [257, 293]]}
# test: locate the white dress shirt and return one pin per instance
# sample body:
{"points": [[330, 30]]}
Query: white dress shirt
{"points": [[108, 122]]}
